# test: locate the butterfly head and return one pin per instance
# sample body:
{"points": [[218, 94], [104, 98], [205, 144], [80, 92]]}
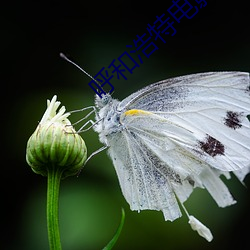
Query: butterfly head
{"points": [[102, 102]]}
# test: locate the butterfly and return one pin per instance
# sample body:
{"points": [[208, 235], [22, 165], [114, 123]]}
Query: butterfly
{"points": [[175, 135]]}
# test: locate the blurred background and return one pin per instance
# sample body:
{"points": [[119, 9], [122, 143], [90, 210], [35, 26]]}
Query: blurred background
{"points": [[94, 33]]}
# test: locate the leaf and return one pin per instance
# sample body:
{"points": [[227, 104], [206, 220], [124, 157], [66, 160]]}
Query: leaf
{"points": [[117, 234]]}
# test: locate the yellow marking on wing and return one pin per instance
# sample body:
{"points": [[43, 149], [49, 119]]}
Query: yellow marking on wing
{"points": [[137, 112]]}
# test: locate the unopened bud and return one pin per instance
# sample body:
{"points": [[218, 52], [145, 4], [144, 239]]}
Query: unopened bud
{"points": [[55, 143]]}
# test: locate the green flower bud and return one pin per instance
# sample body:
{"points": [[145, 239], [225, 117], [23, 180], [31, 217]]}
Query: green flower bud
{"points": [[55, 144]]}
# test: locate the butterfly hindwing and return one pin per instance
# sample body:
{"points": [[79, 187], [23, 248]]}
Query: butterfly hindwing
{"points": [[143, 186], [175, 156]]}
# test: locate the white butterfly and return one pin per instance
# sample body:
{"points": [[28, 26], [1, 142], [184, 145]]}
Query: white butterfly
{"points": [[178, 134]]}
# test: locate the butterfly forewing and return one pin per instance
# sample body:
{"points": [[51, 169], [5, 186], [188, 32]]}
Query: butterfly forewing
{"points": [[174, 93], [210, 106]]}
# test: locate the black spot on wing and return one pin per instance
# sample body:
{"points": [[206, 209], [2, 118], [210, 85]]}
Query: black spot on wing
{"points": [[233, 119], [191, 181], [212, 146], [248, 89]]}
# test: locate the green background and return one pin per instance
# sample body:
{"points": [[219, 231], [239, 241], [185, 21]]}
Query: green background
{"points": [[94, 33]]}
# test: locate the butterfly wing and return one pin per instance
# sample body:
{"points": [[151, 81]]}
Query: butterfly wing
{"points": [[179, 134], [173, 93], [152, 166], [142, 186], [212, 106]]}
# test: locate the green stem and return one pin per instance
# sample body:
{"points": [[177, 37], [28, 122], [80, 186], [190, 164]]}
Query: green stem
{"points": [[54, 177]]}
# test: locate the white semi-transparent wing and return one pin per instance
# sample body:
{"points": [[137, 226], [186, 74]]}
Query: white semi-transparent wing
{"points": [[213, 106], [142, 184], [174, 157], [153, 169], [174, 93]]}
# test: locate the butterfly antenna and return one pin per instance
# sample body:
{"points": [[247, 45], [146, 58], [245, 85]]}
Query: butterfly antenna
{"points": [[68, 60]]}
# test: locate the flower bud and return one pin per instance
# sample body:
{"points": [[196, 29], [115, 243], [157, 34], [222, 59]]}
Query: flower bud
{"points": [[55, 144]]}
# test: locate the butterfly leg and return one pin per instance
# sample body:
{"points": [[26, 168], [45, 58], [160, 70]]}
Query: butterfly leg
{"points": [[94, 153], [86, 116], [82, 128]]}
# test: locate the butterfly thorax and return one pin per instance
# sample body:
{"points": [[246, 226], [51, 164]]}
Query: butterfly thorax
{"points": [[108, 120]]}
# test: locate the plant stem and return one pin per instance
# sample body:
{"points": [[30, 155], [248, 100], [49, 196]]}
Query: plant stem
{"points": [[54, 177]]}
